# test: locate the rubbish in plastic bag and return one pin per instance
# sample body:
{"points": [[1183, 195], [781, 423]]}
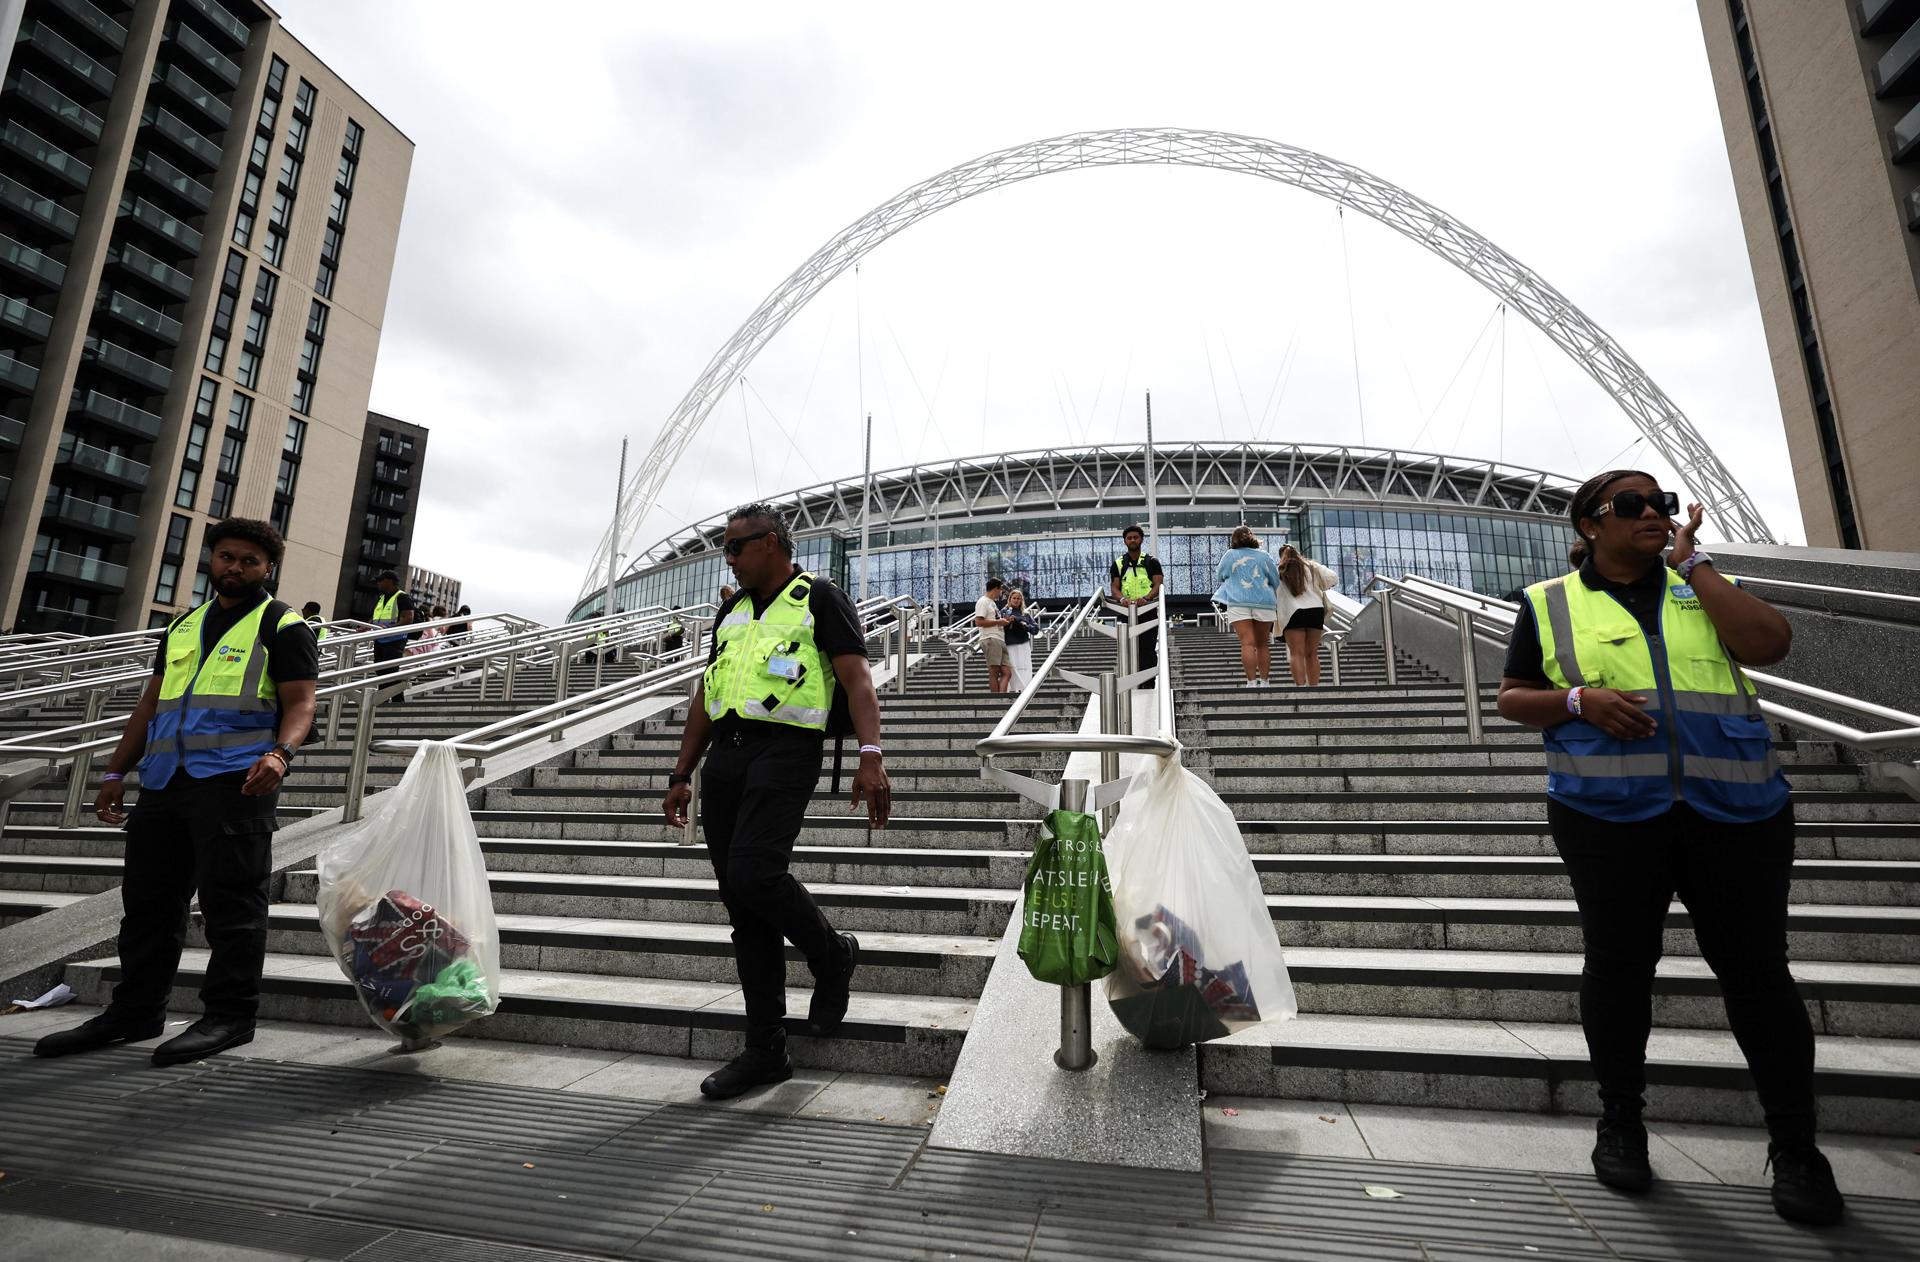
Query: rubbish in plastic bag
{"points": [[1199, 958], [406, 909], [1066, 927]]}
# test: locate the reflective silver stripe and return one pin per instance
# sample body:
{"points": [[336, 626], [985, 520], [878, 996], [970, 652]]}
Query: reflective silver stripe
{"points": [[167, 705], [1744, 686], [246, 703], [256, 667], [1560, 622], [786, 714], [1712, 703], [739, 615], [227, 740], [1730, 770], [1606, 766], [160, 745]]}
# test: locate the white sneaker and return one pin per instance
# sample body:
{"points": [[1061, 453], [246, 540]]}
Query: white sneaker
{"points": [[1251, 683]]}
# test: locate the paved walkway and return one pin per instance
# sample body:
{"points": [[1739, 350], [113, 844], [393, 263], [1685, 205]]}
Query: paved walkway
{"points": [[506, 1153]]}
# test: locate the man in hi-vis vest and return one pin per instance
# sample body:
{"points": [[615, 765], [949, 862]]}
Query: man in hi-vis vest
{"points": [[788, 668], [394, 608], [230, 700]]}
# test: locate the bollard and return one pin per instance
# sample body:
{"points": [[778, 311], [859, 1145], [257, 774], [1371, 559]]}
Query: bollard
{"points": [[1076, 1002], [81, 767], [1470, 675], [1385, 597], [362, 750], [960, 660], [900, 666], [1333, 651]]}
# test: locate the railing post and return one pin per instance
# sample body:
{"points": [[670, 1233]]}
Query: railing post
{"points": [[1469, 674], [1333, 652], [1076, 1002], [513, 666], [690, 835], [560, 662], [1385, 597], [900, 666], [362, 750], [960, 660], [81, 767]]}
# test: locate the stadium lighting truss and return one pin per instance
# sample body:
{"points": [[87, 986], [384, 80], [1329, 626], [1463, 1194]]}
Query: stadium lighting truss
{"points": [[1187, 475], [1513, 282]]}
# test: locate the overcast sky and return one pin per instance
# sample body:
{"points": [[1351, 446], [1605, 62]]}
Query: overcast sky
{"points": [[597, 202]]}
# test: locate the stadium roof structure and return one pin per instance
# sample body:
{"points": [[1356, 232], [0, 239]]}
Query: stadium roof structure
{"points": [[1249, 475]]}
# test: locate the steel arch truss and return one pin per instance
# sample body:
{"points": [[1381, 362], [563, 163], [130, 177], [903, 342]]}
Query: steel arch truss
{"points": [[1049, 481], [1522, 289]]}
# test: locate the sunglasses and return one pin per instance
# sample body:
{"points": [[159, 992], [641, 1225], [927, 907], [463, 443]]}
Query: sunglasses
{"points": [[1630, 504], [736, 546]]}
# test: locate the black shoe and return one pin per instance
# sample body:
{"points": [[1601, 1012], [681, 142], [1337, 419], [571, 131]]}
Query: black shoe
{"points": [[108, 1028], [831, 993], [1620, 1154], [202, 1039], [1803, 1187], [755, 1067]]}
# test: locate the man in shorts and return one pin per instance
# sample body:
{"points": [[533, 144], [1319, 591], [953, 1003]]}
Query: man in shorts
{"points": [[993, 637]]}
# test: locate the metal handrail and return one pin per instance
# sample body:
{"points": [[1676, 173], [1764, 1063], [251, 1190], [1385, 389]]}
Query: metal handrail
{"points": [[1855, 592]]}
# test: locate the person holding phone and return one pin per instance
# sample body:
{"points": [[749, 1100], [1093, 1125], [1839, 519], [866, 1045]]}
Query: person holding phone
{"points": [[1662, 781]]}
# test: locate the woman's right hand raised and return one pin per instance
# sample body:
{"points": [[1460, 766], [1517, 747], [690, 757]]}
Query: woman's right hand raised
{"points": [[1617, 713]]}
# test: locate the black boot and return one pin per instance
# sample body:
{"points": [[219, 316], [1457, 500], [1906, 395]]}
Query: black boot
{"points": [[203, 1038], [108, 1028], [1803, 1186], [755, 1067], [831, 993], [1620, 1152]]}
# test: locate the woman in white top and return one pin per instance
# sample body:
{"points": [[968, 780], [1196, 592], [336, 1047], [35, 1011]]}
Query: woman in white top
{"points": [[1303, 613]]}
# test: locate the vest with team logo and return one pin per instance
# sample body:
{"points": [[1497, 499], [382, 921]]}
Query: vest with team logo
{"points": [[767, 667], [1710, 748], [218, 709]]}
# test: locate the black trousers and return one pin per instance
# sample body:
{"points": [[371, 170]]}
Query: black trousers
{"points": [[1733, 879], [196, 835], [389, 652], [1146, 647], [754, 793]]}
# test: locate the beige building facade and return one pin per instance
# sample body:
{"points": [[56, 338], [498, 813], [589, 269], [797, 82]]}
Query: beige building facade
{"points": [[1820, 100], [200, 221]]}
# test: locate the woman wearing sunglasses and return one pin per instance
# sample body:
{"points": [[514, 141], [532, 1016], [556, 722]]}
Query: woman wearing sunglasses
{"points": [[1662, 781]]}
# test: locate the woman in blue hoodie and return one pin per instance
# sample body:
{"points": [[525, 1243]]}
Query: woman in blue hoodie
{"points": [[1249, 580]]}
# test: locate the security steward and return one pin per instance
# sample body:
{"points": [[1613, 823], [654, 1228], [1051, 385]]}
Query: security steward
{"points": [[1135, 580], [229, 702], [393, 609], [788, 667], [310, 614], [1662, 780]]}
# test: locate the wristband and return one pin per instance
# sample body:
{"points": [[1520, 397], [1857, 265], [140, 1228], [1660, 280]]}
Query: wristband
{"points": [[871, 749], [1573, 701], [113, 777], [675, 778], [1685, 568]]}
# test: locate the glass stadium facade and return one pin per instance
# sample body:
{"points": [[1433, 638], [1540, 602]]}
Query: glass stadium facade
{"points": [[1050, 521]]}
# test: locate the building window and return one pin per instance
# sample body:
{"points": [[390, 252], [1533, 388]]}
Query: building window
{"points": [[223, 307], [304, 98], [183, 494], [337, 210], [167, 583], [276, 78]]}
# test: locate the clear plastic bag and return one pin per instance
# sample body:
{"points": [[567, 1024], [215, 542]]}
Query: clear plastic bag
{"points": [[406, 909], [1199, 957]]}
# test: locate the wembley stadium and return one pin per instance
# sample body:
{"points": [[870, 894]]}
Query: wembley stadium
{"points": [[1049, 521]]}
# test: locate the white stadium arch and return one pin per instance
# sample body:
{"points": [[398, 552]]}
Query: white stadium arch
{"points": [[1521, 288]]}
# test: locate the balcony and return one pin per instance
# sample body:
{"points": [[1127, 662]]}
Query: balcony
{"points": [[188, 89], [1903, 138], [31, 263], [43, 210], [393, 477], [181, 134], [231, 26], [48, 155], [19, 314], [195, 45], [78, 569], [1913, 211], [1878, 17], [117, 413], [56, 104], [17, 373], [135, 368], [101, 463], [138, 314], [140, 263], [171, 177], [89, 16], [150, 216], [12, 432], [1898, 69], [70, 511], [58, 48]]}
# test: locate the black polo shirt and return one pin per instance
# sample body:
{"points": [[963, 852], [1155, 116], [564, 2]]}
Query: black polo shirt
{"points": [[1641, 597]]}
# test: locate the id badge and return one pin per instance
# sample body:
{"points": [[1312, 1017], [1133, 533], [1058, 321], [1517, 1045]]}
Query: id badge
{"points": [[786, 668]]}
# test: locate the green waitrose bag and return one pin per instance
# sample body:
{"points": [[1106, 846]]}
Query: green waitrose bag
{"points": [[1066, 931]]}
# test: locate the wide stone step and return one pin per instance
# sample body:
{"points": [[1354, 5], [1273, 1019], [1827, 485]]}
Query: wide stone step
{"points": [[955, 966], [1810, 805], [979, 802], [653, 778], [19, 905], [1289, 775], [878, 864], [1870, 1000], [1813, 840], [967, 911], [915, 1035], [838, 828], [1815, 931], [1865, 1085]]}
